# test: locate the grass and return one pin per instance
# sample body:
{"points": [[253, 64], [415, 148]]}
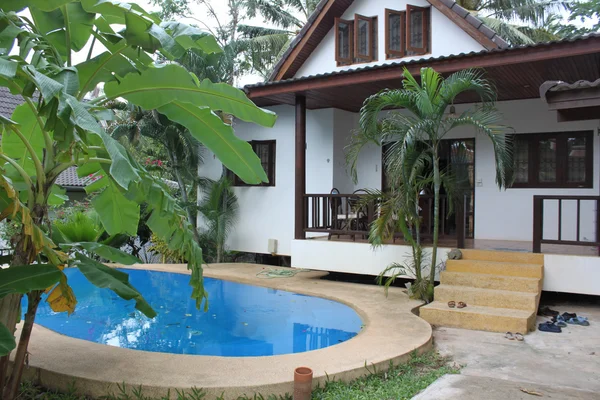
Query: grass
{"points": [[398, 383]]}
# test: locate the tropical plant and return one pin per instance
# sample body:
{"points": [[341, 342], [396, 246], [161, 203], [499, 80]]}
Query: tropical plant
{"points": [[167, 255], [56, 129], [584, 18], [519, 21], [424, 123], [183, 150], [219, 209], [246, 48]]}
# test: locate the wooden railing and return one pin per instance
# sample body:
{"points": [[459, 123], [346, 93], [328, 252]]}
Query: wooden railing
{"points": [[345, 215], [582, 214]]}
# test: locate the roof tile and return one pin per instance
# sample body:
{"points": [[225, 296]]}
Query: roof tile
{"points": [[473, 20], [460, 11]]}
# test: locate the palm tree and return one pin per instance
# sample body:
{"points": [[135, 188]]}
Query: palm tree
{"points": [[519, 21], [425, 123], [219, 207]]}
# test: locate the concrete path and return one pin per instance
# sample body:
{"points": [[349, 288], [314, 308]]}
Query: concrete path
{"points": [[560, 366]]}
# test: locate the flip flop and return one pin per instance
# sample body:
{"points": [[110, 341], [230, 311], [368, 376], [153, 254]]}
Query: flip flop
{"points": [[509, 336], [461, 304], [519, 337], [451, 304], [549, 327], [578, 321]]}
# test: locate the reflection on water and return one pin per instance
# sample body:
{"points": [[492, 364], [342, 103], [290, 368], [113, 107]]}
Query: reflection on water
{"points": [[242, 320]]}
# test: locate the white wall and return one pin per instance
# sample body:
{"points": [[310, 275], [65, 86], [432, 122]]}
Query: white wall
{"points": [[446, 37], [268, 212], [508, 214]]}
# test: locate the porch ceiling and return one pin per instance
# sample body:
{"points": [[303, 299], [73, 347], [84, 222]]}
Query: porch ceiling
{"points": [[517, 73]]}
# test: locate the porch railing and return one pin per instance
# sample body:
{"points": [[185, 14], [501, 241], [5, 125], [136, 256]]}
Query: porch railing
{"points": [[346, 216], [566, 220]]}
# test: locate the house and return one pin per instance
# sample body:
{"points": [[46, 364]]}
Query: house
{"points": [[350, 50]]}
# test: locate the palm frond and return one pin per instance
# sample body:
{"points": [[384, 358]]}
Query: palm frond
{"points": [[467, 80], [273, 12], [509, 32], [532, 12], [487, 121]]}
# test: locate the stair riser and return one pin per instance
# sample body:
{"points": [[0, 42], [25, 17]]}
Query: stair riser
{"points": [[481, 322], [487, 298], [502, 256], [495, 268], [485, 281]]}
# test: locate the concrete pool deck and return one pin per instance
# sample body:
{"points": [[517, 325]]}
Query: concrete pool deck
{"points": [[390, 334]]}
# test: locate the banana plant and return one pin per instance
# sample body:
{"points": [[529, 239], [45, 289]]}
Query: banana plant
{"points": [[49, 60]]}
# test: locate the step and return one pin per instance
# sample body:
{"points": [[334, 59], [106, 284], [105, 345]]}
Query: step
{"points": [[479, 318], [524, 270], [489, 281], [506, 256], [487, 297]]}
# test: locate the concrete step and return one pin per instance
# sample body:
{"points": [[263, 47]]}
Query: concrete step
{"points": [[479, 318], [503, 256], [487, 297], [524, 270], [489, 281]]}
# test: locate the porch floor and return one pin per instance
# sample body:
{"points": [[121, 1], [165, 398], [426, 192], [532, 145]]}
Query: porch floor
{"points": [[484, 244]]}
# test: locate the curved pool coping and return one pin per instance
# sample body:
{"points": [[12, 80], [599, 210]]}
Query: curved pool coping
{"points": [[391, 333]]}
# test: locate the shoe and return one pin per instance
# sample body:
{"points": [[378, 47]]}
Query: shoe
{"points": [[549, 327]]}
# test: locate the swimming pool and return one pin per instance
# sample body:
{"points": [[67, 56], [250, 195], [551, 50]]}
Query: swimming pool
{"points": [[243, 320]]}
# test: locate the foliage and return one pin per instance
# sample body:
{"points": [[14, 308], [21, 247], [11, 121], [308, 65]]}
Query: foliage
{"points": [[402, 381], [584, 18], [519, 21], [246, 48], [160, 247], [56, 129], [219, 209], [417, 133], [78, 227]]}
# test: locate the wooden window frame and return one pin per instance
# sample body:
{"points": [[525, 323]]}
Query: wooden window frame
{"points": [[372, 21], [426, 16], [533, 158], [389, 53], [273, 163], [340, 60]]}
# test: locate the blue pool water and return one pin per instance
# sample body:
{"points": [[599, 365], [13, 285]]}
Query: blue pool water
{"points": [[242, 320]]}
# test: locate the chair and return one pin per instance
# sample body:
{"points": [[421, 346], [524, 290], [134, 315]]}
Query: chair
{"points": [[334, 208]]}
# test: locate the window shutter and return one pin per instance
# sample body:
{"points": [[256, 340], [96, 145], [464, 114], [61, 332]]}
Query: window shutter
{"points": [[417, 29]]}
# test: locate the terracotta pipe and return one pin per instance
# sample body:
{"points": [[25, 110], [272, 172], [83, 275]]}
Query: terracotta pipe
{"points": [[303, 383]]}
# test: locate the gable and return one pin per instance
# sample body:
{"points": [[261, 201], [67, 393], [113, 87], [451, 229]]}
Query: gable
{"points": [[453, 30]]}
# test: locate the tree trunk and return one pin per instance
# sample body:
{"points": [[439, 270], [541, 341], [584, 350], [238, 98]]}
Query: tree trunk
{"points": [[436, 215], [10, 307], [10, 310], [11, 390]]}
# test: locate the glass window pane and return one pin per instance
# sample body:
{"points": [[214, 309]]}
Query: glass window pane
{"points": [[521, 160], [363, 37], [547, 171], [395, 36], [576, 159], [417, 19], [344, 40]]}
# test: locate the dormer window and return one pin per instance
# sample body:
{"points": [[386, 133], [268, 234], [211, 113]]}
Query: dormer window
{"points": [[355, 41], [407, 32], [344, 39], [365, 34]]}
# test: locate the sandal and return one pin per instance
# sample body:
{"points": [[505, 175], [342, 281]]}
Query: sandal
{"points": [[567, 315], [560, 321], [549, 327], [509, 336], [547, 312], [519, 337], [451, 304], [578, 321], [461, 304]]}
